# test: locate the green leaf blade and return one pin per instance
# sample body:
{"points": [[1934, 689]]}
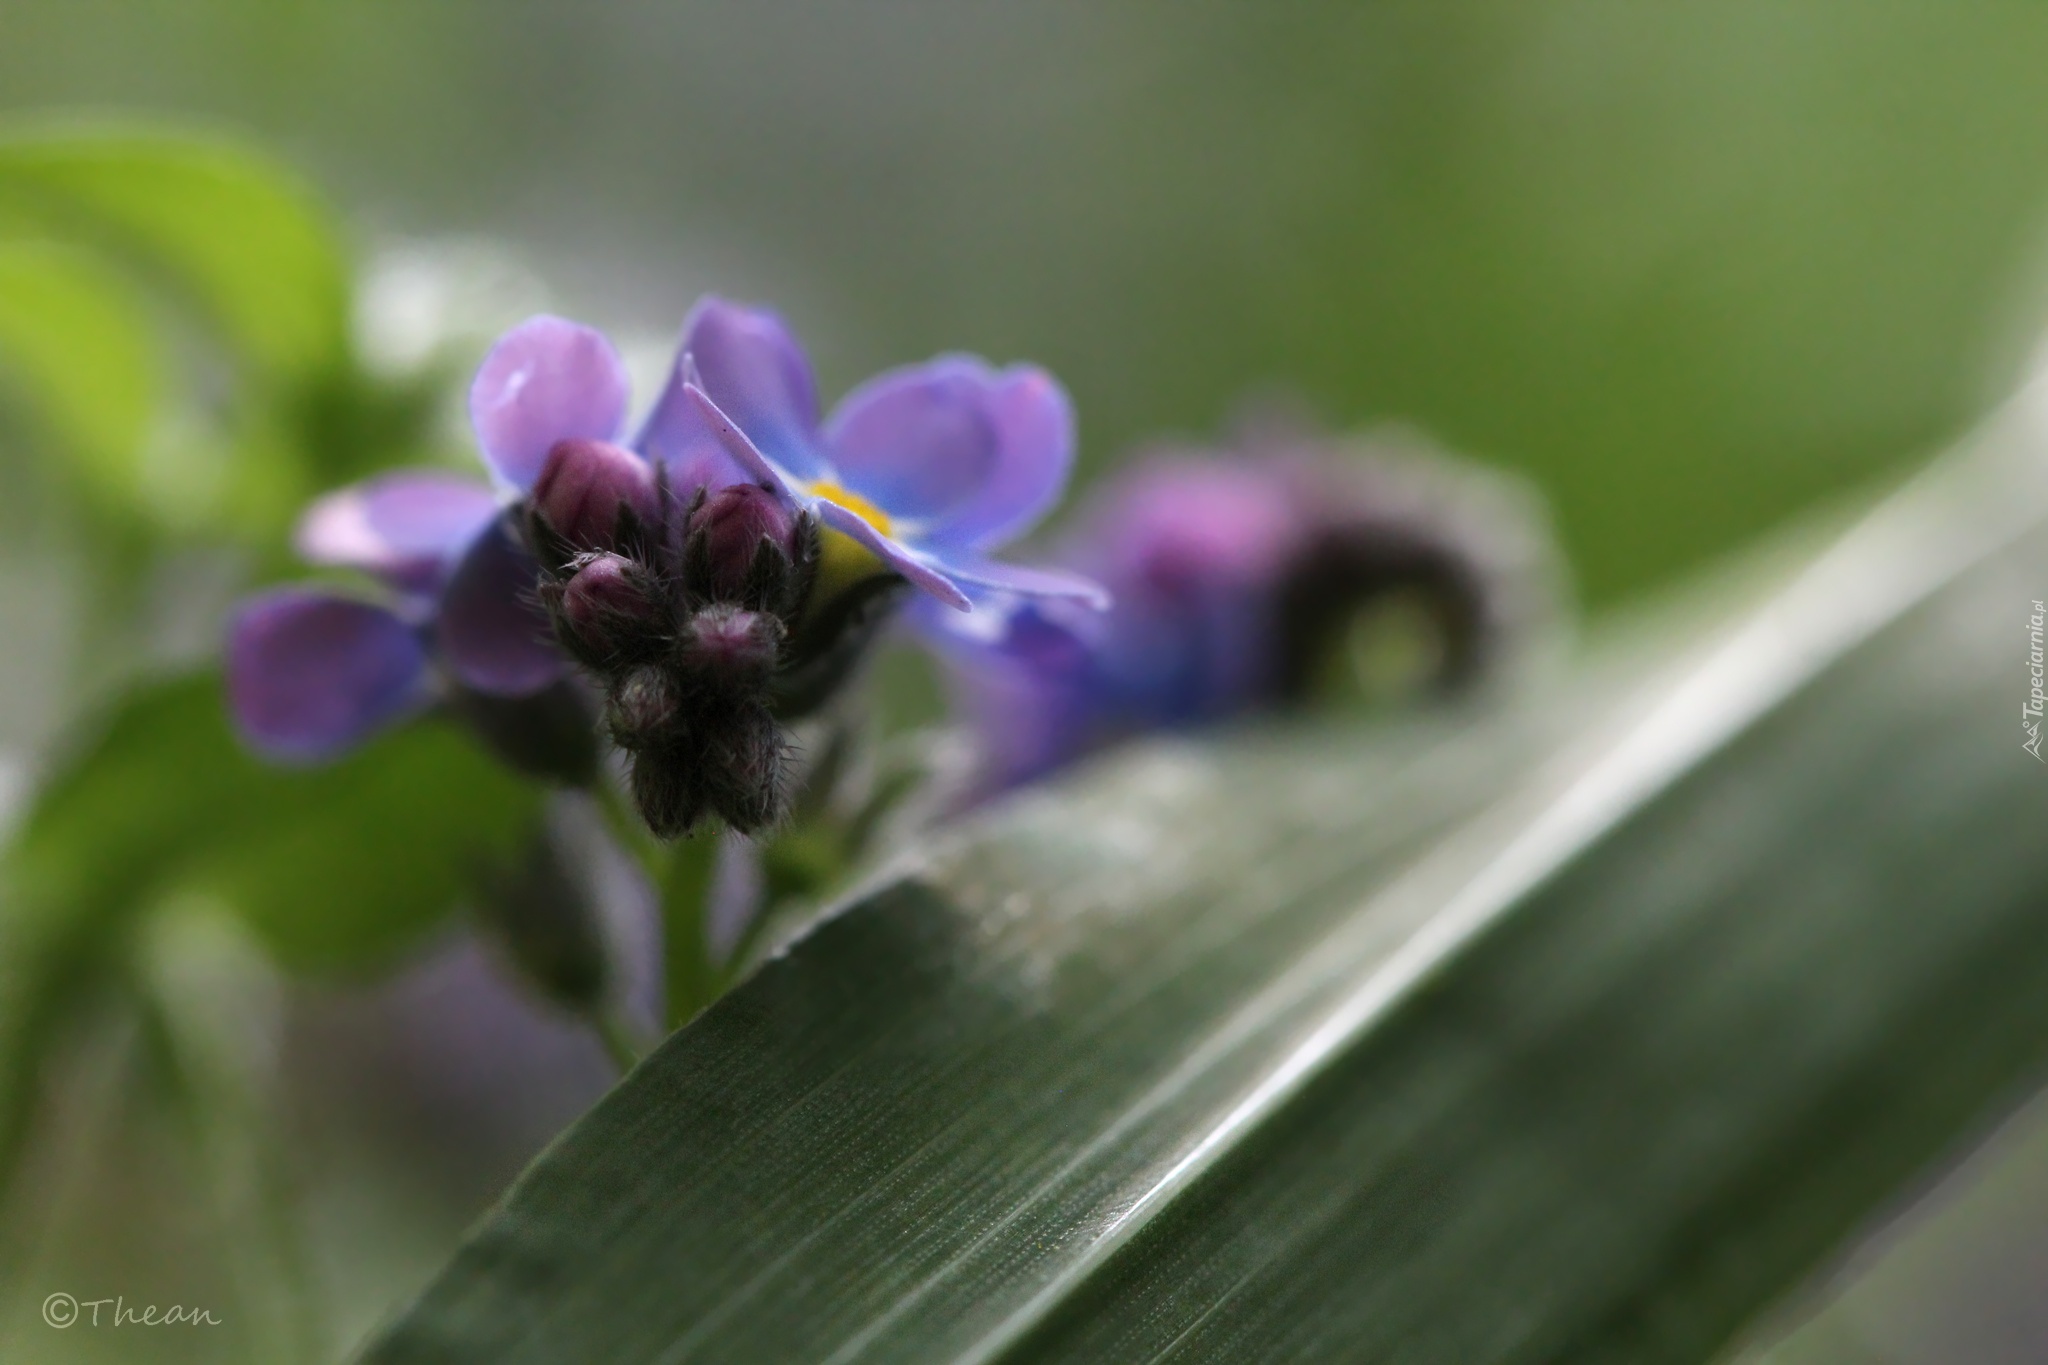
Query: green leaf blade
{"points": [[1580, 1031]]}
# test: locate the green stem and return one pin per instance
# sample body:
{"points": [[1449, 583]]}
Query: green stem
{"points": [[681, 875], [685, 885]]}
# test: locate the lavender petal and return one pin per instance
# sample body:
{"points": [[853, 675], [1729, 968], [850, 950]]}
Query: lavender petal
{"points": [[1033, 424], [491, 631], [677, 434], [1027, 580], [406, 527], [921, 441], [900, 558], [312, 674], [757, 375], [546, 380]]}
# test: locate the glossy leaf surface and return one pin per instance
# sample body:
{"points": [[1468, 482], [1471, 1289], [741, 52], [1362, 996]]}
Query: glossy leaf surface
{"points": [[1580, 1030]]}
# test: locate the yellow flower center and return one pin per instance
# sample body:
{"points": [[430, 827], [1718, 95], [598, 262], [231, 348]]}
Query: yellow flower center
{"points": [[852, 502], [842, 560]]}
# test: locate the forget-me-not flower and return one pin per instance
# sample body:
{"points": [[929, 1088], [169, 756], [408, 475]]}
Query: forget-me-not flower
{"points": [[929, 467], [1236, 578], [715, 576]]}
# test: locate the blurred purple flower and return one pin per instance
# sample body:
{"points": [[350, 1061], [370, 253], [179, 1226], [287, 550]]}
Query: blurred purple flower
{"points": [[1233, 576], [313, 672], [928, 467], [1191, 550]]}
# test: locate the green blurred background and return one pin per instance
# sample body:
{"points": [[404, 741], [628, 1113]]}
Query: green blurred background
{"points": [[1692, 267], [1689, 264]]}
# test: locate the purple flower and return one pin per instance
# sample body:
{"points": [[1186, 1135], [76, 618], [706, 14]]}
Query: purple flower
{"points": [[715, 577], [928, 468], [313, 672], [1190, 549], [1234, 579]]}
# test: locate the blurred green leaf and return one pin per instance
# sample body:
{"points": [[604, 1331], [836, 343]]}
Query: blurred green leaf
{"points": [[1576, 1031], [344, 869], [336, 868], [234, 230], [77, 342]]}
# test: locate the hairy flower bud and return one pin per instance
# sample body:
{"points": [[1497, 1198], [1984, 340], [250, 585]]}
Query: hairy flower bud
{"points": [[745, 774], [665, 791], [729, 649], [609, 608], [587, 490], [643, 707], [744, 546]]}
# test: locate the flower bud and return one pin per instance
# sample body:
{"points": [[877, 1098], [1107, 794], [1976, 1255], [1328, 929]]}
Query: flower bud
{"points": [[744, 543], [745, 776], [608, 608], [730, 649], [643, 707], [586, 487]]}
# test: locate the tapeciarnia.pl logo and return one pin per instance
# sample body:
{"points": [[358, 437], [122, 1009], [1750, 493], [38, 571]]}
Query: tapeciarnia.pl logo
{"points": [[2030, 714]]}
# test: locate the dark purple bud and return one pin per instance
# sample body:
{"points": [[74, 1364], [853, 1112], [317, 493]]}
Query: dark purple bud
{"points": [[665, 792], [746, 771], [730, 649], [585, 488], [644, 708], [728, 535], [607, 606]]}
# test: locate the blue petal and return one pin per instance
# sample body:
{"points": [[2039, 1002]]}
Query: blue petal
{"points": [[975, 455], [748, 456], [757, 375], [546, 380], [917, 442], [1026, 675], [678, 435], [902, 559], [1026, 580], [312, 674], [406, 527], [491, 631]]}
